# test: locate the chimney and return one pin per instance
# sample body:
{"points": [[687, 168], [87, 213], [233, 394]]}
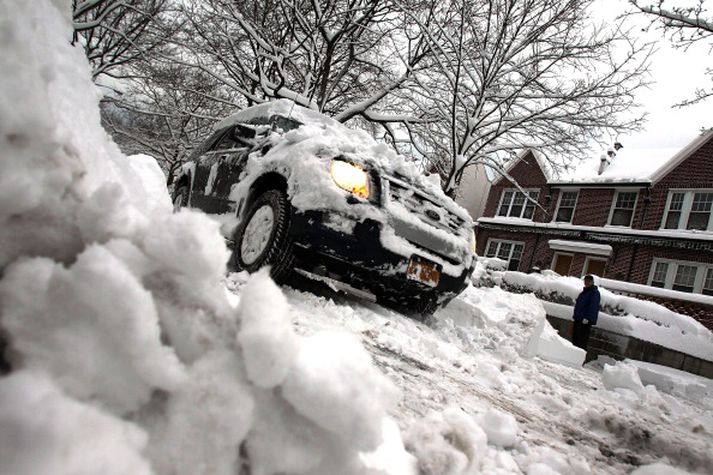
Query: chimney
{"points": [[607, 158]]}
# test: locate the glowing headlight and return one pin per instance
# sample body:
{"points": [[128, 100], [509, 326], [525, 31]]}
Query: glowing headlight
{"points": [[472, 241], [351, 178]]}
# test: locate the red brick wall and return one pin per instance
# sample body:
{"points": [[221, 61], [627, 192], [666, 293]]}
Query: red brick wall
{"points": [[593, 206], [529, 239], [694, 172], [528, 174]]}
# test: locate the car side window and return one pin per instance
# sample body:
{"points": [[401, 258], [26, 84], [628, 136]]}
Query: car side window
{"points": [[237, 136], [228, 141]]}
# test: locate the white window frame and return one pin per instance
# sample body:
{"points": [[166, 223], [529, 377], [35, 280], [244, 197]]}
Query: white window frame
{"points": [[559, 202], [501, 241], [685, 208], [673, 269], [524, 205], [613, 205]]}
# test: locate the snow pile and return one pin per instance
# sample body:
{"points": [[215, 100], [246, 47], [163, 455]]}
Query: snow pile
{"points": [[468, 372], [45, 432], [621, 375], [500, 427], [522, 320], [673, 381], [126, 355], [629, 316], [449, 443]]}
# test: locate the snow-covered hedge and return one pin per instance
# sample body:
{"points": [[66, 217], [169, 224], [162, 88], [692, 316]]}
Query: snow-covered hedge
{"points": [[622, 314]]}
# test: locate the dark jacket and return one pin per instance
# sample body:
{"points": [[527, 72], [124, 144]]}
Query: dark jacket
{"points": [[587, 305]]}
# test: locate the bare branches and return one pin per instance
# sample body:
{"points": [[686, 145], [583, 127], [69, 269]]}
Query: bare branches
{"points": [[333, 56], [685, 26], [452, 83], [510, 74], [115, 33]]}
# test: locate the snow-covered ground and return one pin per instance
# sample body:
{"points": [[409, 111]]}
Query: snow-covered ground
{"points": [[131, 350], [470, 372]]}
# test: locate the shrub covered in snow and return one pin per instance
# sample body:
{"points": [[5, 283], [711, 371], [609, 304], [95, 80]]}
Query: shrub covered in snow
{"points": [[622, 314]]}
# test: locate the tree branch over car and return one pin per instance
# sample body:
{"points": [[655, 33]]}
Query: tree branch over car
{"points": [[333, 56]]}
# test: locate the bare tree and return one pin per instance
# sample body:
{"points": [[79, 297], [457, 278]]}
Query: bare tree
{"points": [[164, 113], [686, 26], [506, 75], [336, 56], [117, 33]]}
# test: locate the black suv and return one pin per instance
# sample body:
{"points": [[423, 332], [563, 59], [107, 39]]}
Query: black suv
{"points": [[315, 197]]}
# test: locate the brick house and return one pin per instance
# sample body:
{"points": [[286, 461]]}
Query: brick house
{"points": [[644, 220]]}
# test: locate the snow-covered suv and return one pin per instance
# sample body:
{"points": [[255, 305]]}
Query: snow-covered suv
{"points": [[314, 196]]}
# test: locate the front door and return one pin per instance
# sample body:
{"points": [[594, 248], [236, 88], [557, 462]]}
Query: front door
{"points": [[562, 263], [595, 267]]}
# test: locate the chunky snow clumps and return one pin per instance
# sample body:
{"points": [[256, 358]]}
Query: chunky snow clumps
{"points": [[125, 355]]}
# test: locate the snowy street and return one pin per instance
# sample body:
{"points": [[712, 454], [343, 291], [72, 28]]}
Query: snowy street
{"points": [[567, 419]]}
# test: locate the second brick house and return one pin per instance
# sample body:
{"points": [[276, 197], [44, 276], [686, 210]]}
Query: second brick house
{"points": [[644, 220]]}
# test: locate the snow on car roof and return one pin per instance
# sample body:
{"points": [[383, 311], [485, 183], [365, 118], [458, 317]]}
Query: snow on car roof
{"points": [[280, 107]]}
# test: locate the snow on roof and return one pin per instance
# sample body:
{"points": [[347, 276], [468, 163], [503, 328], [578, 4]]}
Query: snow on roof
{"points": [[281, 107], [634, 165]]}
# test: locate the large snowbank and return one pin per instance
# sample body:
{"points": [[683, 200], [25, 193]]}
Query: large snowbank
{"points": [[622, 314], [126, 354]]}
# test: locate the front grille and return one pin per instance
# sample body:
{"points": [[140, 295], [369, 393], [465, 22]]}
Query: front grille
{"points": [[424, 207]]}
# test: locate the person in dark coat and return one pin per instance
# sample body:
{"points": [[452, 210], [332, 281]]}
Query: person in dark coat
{"points": [[586, 311]]}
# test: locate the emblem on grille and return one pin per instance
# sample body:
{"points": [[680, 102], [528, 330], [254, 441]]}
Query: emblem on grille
{"points": [[433, 215]]}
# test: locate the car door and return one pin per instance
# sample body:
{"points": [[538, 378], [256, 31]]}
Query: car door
{"points": [[219, 167]]}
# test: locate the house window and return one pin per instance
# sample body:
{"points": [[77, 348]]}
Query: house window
{"points": [[509, 251], [689, 210], [675, 207], [708, 282], [700, 213], [515, 204], [623, 211], [565, 209], [685, 279], [658, 279], [683, 276]]}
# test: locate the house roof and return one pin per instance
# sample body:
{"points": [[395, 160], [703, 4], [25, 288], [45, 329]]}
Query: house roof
{"points": [[634, 165], [521, 156]]}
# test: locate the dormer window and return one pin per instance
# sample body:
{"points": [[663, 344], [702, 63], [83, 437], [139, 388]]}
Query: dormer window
{"points": [[514, 204], [565, 207], [623, 210], [689, 210]]}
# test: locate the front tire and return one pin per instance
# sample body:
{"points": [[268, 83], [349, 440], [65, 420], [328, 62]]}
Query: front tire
{"points": [[263, 239]]}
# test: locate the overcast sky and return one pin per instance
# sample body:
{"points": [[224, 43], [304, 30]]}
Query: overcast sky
{"points": [[675, 74]]}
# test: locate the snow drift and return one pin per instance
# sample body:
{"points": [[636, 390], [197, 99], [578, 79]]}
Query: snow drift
{"points": [[125, 351]]}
